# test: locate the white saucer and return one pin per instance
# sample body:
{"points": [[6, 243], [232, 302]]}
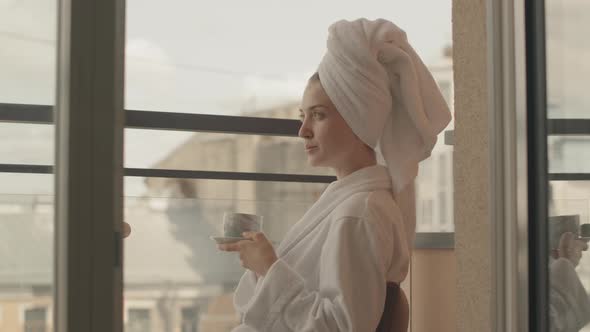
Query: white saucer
{"points": [[226, 239]]}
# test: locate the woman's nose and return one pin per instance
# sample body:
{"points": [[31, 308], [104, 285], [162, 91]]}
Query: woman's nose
{"points": [[304, 130]]}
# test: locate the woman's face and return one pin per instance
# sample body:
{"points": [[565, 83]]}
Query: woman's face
{"points": [[329, 141]]}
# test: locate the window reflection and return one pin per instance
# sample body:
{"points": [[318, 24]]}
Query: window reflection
{"points": [[569, 206]]}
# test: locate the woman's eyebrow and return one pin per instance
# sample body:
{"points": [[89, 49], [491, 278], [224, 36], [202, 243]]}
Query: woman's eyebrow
{"points": [[313, 107]]}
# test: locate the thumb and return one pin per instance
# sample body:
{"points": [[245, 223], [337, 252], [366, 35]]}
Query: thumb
{"points": [[249, 235]]}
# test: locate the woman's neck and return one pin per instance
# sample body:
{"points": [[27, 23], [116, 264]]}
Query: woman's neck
{"points": [[341, 172]]}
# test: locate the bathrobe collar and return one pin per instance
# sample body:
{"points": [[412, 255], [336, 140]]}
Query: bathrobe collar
{"points": [[366, 179]]}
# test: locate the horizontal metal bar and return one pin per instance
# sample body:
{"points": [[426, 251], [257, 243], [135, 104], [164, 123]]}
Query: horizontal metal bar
{"points": [[43, 114], [569, 176], [568, 127], [211, 123], [24, 168], [39, 114], [245, 176], [434, 240], [211, 175], [35, 114], [184, 174]]}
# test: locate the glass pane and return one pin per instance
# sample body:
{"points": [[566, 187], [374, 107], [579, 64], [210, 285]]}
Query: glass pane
{"points": [[569, 208], [567, 51], [218, 152], [27, 67], [28, 57], [26, 184], [24, 143], [569, 154]]}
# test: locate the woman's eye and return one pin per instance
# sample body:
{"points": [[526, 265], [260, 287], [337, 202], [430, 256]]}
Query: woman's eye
{"points": [[318, 115]]}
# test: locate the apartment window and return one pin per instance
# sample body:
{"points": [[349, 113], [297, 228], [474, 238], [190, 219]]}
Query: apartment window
{"points": [[426, 213], [190, 319], [444, 205], [442, 208], [139, 320], [36, 320], [445, 89]]}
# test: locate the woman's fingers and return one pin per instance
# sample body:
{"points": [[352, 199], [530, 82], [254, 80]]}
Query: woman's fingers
{"points": [[228, 247], [236, 246], [254, 236], [126, 229], [256, 253], [249, 235]]}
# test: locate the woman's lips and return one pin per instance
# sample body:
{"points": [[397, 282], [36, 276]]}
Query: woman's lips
{"points": [[310, 148]]}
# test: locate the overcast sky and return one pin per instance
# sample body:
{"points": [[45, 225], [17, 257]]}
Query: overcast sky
{"points": [[195, 56], [224, 56]]}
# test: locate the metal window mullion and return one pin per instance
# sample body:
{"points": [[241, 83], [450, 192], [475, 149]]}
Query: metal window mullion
{"points": [[508, 173], [537, 165], [499, 285], [89, 166]]}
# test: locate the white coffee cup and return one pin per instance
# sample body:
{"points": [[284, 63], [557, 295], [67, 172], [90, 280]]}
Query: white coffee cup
{"points": [[234, 224]]}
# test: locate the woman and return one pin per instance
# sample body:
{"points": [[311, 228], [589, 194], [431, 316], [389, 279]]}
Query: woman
{"points": [[372, 97], [569, 304]]}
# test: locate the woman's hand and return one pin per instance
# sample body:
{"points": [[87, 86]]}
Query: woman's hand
{"points": [[126, 230], [256, 254], [570, 247]]}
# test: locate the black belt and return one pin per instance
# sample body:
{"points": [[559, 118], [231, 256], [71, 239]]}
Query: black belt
{"points": [[396, 312]]}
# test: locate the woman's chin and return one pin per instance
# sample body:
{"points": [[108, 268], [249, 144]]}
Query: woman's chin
{"points": [[316, 162], [313, 162]]}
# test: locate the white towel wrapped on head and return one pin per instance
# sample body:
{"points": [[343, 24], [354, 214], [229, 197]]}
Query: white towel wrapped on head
{"points": [[387, 96]]}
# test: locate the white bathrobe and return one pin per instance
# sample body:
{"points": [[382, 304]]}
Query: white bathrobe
{"points": [[569, 304], [333, 264]]}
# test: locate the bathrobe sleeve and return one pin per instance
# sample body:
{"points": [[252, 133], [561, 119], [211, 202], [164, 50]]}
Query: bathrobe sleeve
{"points": [[352, 283], [569, 305]]}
